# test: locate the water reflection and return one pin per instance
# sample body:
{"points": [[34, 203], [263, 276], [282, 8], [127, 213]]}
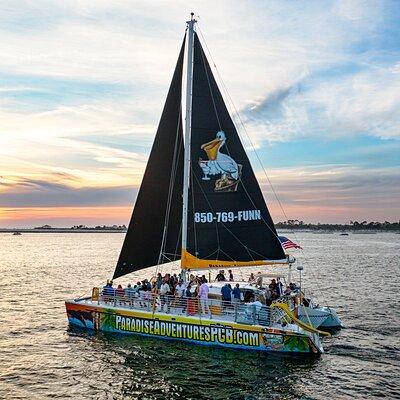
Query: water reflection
{"points": [[159, 369]]}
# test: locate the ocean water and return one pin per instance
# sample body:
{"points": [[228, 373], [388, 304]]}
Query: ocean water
{"points": [[41, 357]]}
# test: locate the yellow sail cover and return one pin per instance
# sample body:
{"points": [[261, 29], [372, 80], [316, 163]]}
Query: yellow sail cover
{"points": [[189, 261]]}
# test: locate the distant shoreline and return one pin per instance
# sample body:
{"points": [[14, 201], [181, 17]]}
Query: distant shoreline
{"points": [[61, 230], [280, 229]]}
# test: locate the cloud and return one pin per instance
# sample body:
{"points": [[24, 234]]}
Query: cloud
{"points": [[343, 191], [83, 85], [47, 193]]}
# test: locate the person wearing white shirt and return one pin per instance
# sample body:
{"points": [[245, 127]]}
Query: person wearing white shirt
{"points": [[203, 294], [253, 308], [180, 290], [164, 290]]}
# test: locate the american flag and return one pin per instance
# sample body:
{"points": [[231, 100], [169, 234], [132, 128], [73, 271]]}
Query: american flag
{"points": [[288, 244]]}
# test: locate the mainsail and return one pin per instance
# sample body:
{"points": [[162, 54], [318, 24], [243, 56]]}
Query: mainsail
{"points": [[228, 223], [154, 230]]}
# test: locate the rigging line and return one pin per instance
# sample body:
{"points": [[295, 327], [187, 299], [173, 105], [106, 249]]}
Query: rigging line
{"points": [[171, 186], [251, 142], [240, 120], [178, 241], [209, 86], [193, 209], [262, 218], [247, 193], [212, 209]]}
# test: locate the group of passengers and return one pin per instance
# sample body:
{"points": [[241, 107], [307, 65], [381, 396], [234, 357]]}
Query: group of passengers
{"points": [[221, 276], [168, 290], [171, 290]]}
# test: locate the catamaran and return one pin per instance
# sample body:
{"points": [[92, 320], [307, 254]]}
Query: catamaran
{"points": [[200, 203]]}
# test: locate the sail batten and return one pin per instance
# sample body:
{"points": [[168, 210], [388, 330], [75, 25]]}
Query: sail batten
{"points": [[227, 214], [155, 225]]}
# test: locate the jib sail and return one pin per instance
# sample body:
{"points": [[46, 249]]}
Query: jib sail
{"points": [[154, 230]]}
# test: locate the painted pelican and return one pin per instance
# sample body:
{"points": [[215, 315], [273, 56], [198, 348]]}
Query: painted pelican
{"points": [[218, 163]]}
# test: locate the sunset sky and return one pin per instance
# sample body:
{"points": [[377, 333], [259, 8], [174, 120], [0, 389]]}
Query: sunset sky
{"points": [[83, 83]]}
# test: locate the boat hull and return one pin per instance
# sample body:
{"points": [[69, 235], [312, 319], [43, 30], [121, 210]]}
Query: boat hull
{"points": [[320, 317], [202, 331]]}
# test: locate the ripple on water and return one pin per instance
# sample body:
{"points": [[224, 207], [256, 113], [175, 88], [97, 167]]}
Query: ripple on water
{"points": [[41, 358]]}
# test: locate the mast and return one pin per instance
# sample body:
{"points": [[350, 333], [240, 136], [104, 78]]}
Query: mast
{"points": [[188, 127]]}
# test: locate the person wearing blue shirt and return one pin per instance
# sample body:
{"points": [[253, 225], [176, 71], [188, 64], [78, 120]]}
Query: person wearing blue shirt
{"points": [[226, 292], [236, 294]]}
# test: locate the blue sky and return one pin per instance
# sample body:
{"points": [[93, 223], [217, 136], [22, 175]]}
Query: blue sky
{"points": [[82, 84]]}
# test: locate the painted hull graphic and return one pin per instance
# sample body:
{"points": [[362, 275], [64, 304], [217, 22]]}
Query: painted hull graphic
{"points": [[190, 329]]}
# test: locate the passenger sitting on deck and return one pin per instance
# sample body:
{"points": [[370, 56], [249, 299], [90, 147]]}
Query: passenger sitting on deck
{"points": [[130, 293], [120, 293], [220, 277], [226, 292], [108, 291], [136, 288]]}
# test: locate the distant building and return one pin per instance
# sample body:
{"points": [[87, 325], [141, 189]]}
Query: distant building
{"points": [[44, 227]]}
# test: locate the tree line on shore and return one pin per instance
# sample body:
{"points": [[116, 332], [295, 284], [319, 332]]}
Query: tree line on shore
{"points": [[289, 224], [352, 225]]}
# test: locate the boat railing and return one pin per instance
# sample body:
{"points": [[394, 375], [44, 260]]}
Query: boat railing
{"points": [[235, 311]]}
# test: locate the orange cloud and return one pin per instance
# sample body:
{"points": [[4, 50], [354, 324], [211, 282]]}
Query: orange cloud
{"points": [[64, 216]]}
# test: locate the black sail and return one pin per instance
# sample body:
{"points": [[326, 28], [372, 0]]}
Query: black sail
{"points": [[156, 204], [228, 223]]}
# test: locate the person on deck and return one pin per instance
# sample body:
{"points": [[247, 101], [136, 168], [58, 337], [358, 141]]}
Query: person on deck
{"points": [[203, 295], [230, 275], [259, 279], [180, 289], [172, 283], [220, 276], [164, 291], [130, 292], [226, 292], [236, 294], [159, 280], [279, 287], [120, 294], [189, 302], [252, 278], [253, 308], [108, 292], [148, 285]]}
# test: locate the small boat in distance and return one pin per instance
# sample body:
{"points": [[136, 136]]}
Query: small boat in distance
{"points": [[199, 203], [344, 234], [16, 233]]}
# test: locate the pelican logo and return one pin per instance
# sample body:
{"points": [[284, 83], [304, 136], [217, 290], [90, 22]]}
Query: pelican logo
{"points": [[220, 164]]}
